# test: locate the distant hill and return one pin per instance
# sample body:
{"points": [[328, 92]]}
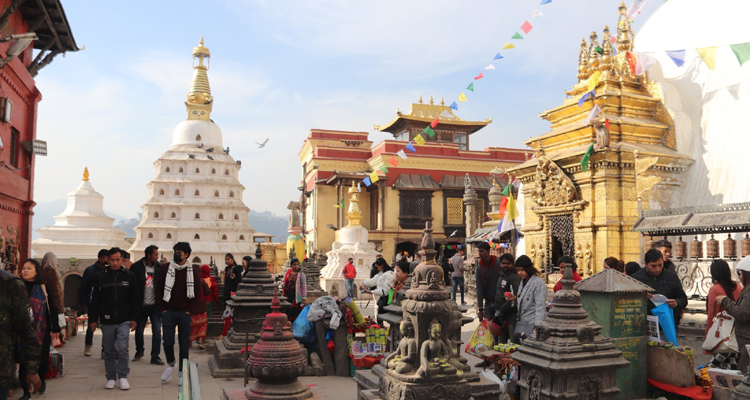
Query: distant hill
{"points": [[44, 214]]}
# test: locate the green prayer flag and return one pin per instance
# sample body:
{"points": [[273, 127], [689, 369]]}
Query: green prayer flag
{"points": [[384, 169], [341, 203], [586, 158], [742, 51], [471, 87], [599, 50], [517, 36], [506, 190], [429, 131]]}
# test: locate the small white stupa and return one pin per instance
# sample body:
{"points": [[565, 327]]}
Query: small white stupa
{"points": [[82, 229], [351, 242]]}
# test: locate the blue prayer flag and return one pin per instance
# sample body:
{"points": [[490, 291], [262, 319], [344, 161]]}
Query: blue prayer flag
{"points": [[498, 56], [410, 147], [678, 56], [367, 181], [586, 96], [546, 2], [454, 106]]}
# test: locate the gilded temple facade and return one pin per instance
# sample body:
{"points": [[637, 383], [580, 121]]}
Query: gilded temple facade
{"points": [[588, 213]]}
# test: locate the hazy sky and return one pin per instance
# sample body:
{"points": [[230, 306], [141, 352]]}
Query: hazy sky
{"points": [[281, 68]]}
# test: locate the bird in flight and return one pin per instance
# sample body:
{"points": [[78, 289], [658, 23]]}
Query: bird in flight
{"points": [[262, 145]]}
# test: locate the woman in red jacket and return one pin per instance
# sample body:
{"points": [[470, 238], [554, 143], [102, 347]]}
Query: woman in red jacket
{"points": [[210, 297]]}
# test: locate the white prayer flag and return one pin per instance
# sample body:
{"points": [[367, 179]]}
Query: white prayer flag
{"points": [[536, 13], [594, 112], [734, 90], [489, 67], [635, 8], [643, 62], [446, 114], [402, 155], [506, 225], [359, 189]]}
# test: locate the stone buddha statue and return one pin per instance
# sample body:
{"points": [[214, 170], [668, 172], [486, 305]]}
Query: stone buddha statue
{"points": [[403, 359], [435, 359]]}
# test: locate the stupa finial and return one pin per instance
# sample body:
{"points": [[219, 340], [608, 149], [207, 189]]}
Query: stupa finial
{"points": [[85, 174], [258, 253], [354, 213], [275, 303], [428, 244], [199, 100]]}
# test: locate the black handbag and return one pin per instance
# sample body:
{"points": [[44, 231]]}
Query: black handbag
{"points": [[523, 331]]}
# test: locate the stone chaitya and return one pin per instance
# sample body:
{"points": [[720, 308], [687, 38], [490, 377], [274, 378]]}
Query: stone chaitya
{"points": [[251, 302], [568, 358]]}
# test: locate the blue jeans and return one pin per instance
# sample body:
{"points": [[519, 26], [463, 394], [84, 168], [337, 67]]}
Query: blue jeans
{"points": [[350, 286], [172, 320], [148, 312], [458, 281]]}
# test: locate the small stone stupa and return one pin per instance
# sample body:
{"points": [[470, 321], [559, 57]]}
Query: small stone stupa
{"points": [[351, 242], [568, 357], [252, 301]]}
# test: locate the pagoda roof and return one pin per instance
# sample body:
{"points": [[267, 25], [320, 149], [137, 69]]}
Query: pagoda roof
{"points": [[54, 32], [611, 281], [723, 218], [427, 113]]}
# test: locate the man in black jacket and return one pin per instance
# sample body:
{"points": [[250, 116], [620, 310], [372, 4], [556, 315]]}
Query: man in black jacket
{"points": [[665, 247], [116, 304], [89, 278], [663, 282], [145, 271], [508, 282]]}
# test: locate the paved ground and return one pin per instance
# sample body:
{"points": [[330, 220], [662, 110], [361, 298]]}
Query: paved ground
{"points": [[84, 376]]}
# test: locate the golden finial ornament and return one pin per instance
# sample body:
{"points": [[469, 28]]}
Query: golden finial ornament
{"points": [[583, 68], [420, 99], [442, 101], [354, 213], [199, 100], [624, 30], [593, 53], [85, 174], [431, 102], [606, 62]]}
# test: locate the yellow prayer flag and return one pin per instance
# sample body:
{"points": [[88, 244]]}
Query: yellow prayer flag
{"points": [[508, 46], [594, 80], [708, 54], [419, 140], [462, 97], [512, 210], [374, 176]]}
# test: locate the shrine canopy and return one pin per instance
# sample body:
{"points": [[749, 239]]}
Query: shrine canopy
{"points": [[726, 218]]}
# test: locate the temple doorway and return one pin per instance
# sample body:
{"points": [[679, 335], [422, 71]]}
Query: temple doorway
{"points": [[409, 247], [562, 241], [72, 285]]}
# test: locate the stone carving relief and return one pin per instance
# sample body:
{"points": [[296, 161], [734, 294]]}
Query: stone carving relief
{"points": [[535, 386], [403, 359], [553, 187], [587, 256], [585, 334], [588, 388]]}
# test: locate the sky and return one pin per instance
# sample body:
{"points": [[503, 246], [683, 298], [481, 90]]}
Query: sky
{"points": [[280, 69]]}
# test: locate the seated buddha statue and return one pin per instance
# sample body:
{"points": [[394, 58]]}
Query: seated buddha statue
{"points": [[435, 358], [402, 360]]}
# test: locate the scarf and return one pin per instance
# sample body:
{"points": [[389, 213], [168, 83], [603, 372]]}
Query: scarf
{"points": [[173, 268]]}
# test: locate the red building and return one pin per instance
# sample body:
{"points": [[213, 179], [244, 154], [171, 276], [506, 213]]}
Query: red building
{"points": [[32, 34]]}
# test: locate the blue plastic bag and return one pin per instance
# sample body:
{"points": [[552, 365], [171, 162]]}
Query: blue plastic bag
{"points": [[304, 331], [666, 321]]}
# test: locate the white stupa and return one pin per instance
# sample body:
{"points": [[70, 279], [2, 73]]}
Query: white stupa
{"points": [[351, 242], [82, 229], [709, 107], [196, 196]]}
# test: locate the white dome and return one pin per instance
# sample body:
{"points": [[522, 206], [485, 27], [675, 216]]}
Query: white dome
{"points": [[194, 131], [707, 105]]}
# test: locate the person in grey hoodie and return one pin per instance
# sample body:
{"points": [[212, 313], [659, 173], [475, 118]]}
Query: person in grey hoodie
{"points": [[532, 293]]}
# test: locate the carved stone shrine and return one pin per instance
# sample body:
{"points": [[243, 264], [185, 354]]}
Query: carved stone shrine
{"points": [[568, 357], [250, 304], [311, 269]]}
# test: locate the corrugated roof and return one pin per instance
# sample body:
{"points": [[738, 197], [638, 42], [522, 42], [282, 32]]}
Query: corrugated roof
{"points": [[457, 182], [611, 281], [696, 220], [415, 182], [490, 234]]}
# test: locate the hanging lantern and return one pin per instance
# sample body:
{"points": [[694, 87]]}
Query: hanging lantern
{"points": [[696, 248], [746, 245], [680, 249], [730, 247], [712, 248]]}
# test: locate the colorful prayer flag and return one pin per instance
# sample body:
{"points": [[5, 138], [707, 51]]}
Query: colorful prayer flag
{"points": [[419, 140], [734, 90], [586, 158], [435, 122], [506, 224], [606, 123], [599, 50], [446, 114], [678, 56], [546, 2], [497, 57], [489, 67], [393, 162], [341, 202], [402, 154], [630, 57], [594, 112], [374, 176], [635, 8], [708, 54], [359, 188], [462, 97], [512, 209], [410, 147], [367, 181], [584, 97], [526, 27], [337, 206], [471, 87], [454, 106], [536, 13], [429, 132], [508, 46], [383, 168], [742, 51], [517, 36], [644, 61], [503, 206], [478, 77], [506, 190], [594, 80]]}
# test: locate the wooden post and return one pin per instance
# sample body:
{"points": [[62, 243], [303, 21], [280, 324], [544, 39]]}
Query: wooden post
{"points": [[325, 355], [341, 350]]}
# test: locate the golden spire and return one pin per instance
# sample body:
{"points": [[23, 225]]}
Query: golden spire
{"points": [[593, 54], [199, 100], [355, 215], [420, 99], [624, 31], [442, 101], [606, 63], [85, 174], [431, 102], [583, 68]]}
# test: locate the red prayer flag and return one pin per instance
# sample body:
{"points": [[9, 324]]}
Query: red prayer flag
{"points": [[631, 62], [606, 123], [526, 27], [503, 206], [435, 122], [393, 161], [480, 76]]}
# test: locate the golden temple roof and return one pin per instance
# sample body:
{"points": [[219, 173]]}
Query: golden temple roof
{"points": [[422, 112], [199, 100]]}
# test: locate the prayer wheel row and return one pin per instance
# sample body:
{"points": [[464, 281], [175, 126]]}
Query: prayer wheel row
{"points": [[712, 248]]}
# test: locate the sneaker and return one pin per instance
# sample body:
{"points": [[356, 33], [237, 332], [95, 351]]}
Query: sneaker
{"points": [[167, 375], [87, 350], [110, 384], [138, 356], [124, 385], [156, 361]]}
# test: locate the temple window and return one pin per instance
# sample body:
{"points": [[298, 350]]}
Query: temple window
{"points": [[181, 170], [223, 237], [236, 217], [156, 214], [169, 236], [462, 140], [173, 215], [197, 192], [403, 136], [226, 172], [167, 170], [197, 237], [197, 170], [415, 208], [231, 193], [197, 215], [216, 193], [161, 192], [177, 192], [196, 259], [198, 137], [213, 171], [150, 235], [221, 215], [242, 237], [454, 211]]}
